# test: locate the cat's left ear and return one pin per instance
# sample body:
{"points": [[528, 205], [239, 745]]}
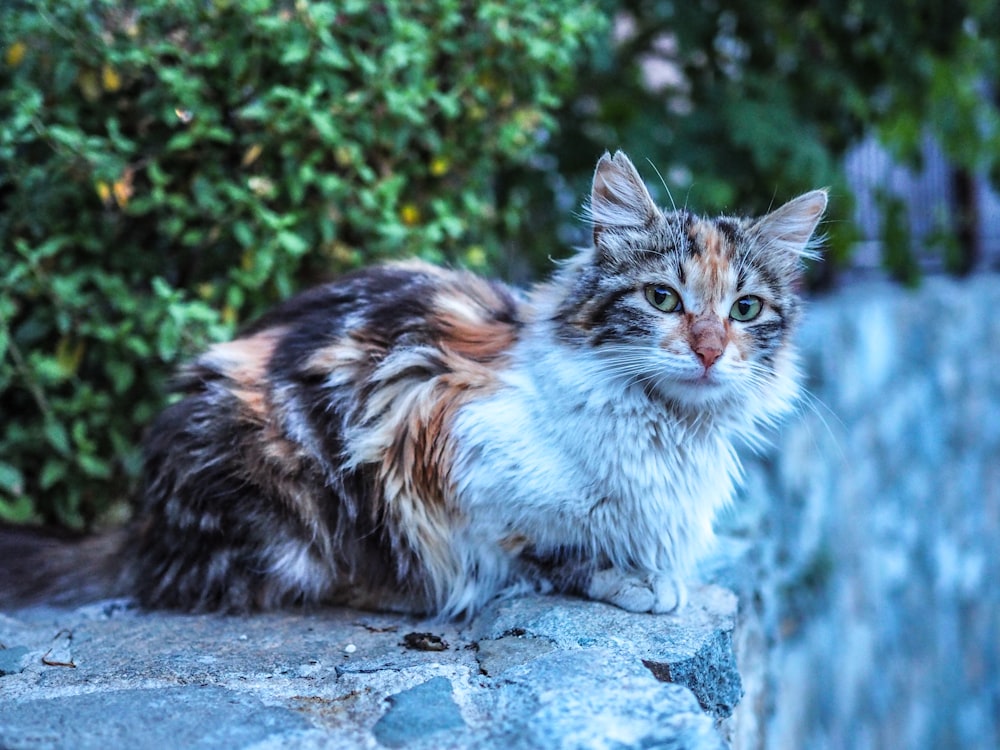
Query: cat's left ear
{"points": [[789, 229], [619, 197]]}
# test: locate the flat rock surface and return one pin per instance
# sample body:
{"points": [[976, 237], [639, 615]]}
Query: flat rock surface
{"points": [[531, 672]]}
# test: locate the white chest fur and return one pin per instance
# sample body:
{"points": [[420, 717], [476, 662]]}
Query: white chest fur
{"points": [[561, 459]]}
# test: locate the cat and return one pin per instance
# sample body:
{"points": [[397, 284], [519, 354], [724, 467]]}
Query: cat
{"points": [[416, 439]]}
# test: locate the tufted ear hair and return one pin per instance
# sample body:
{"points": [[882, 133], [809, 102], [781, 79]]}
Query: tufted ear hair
{"points": [[789, 229], [618, 197]]}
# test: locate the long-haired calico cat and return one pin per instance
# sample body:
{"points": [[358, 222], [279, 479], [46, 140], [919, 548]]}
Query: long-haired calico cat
{"points": [[419, 439]]}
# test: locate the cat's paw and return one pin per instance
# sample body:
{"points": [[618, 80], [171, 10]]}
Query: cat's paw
{"points": [[659, 593], [670, 593], [629, 592]]}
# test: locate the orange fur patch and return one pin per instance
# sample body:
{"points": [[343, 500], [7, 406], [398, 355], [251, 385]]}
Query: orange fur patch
{"points": [[244, 361], [714, 258], [468, 324], [514, 543], [254, 402], [277, 448], [414, 407], [418, 449], [349, 352]]}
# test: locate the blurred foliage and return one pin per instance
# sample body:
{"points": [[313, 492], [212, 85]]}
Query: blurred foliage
{"points": [[742, 104], [168, 167]]}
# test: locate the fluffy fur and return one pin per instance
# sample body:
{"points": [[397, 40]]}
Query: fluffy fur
{"points": [[419, 439]]}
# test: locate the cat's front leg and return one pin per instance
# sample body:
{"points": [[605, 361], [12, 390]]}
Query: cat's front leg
{"points": [[659, 593]]}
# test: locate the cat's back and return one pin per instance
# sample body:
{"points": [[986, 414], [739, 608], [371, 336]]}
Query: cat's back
{"points": [[409, 317], [378, 311], [267, 480]]}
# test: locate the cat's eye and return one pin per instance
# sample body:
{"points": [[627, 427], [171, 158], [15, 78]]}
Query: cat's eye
{"points": [[663, 298], [746, 308]]}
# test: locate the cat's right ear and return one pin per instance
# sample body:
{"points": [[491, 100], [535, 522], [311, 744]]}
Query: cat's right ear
{"points": [[790, 228], [619, 197]]}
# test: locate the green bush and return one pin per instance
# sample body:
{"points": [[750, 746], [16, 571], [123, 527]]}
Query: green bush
{"points": [[742, 104], [167, 168]]}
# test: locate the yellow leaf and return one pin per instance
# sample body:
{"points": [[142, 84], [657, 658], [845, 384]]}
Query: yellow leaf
{"points": [[103, 192], [229, 315], [343, 156], [475, 257], [340, 253], [69, 355], [110, 79], [15, 54], [122, 193], [439, 166], [410, 214], [123, 188], [252, 154], [89, 85]]}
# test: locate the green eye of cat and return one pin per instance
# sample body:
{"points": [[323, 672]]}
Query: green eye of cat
{"points": [[663, 298], [746, 308]]}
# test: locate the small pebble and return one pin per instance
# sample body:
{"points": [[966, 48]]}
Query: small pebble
{"points": [[350, 648]]}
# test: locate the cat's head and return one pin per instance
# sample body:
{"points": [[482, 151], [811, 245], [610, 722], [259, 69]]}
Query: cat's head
{"points": [[697, 310]]}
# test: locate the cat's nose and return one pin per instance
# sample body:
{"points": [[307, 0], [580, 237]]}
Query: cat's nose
{"points": [[708, 355], [708, 340]]}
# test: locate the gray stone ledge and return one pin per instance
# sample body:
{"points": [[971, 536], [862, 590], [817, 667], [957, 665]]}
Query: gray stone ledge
{"points": [[529, 672]]}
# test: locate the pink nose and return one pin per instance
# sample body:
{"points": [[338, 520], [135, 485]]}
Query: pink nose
{"points": [[708, 354], [708, 339]]}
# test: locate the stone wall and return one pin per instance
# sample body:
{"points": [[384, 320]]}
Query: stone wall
{"points": [[863, 550], [867, 543], [532, 672]]}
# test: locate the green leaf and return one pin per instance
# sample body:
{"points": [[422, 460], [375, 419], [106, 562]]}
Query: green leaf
{"points": [[52, 472], [57, 437], [243, 234], [296, 52], [168, 341], [122, 375], [19, 510], [11, 479], [292, 242], [93, 466]]}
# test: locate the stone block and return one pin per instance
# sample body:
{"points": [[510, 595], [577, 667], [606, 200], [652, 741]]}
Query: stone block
{"points": [[692, 648], [598, 699], [185, 716], [418, 713]]}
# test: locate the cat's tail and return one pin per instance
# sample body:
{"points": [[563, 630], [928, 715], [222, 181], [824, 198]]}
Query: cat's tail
{"points": [[44, 565]]}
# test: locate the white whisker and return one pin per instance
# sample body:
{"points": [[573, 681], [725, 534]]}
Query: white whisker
{"points": [[818, 407], [664, 183]]}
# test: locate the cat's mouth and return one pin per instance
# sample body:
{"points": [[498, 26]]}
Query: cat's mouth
{"points": [[696, 387], [703, 379]]}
